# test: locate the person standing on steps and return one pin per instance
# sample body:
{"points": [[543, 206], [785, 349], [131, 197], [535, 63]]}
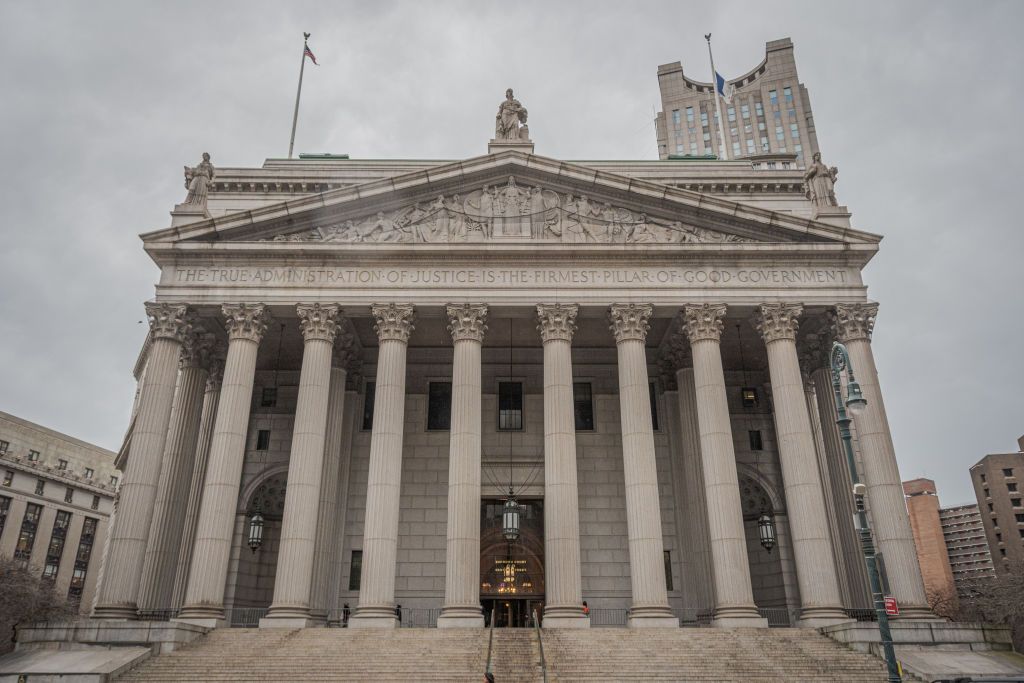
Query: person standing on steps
{"points": [[586, 609], [398, 614], [345, 614]]}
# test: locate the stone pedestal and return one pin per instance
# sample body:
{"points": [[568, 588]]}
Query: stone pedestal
{"points": [[497, 146], [188, 213]]}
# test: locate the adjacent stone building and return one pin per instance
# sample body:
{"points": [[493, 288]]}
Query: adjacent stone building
{"points": [[966, 545], [997, 479], [56, 499]]}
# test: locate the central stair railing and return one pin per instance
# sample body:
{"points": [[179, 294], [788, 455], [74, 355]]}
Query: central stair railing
{"points": [[490, 646], [540, 645]]}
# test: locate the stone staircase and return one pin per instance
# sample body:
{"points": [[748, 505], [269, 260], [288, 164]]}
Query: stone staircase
{"points": [[748, 655]]}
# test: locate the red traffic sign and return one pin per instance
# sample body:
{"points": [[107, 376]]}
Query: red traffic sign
{"points": [[891, 608]]}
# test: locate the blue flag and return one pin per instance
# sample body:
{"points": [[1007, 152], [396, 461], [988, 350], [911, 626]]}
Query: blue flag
{"points": [[726, 90]]}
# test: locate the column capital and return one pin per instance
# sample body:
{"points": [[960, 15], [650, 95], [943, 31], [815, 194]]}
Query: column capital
{"points": [[344, 354], [197, 348], [703, 322], [677, 354], [467, 321], [778, 321], [169, 321], [394, 321], [853, 321], [318, 321], [246, 321], [630, 322], [215, 373], [557, 321]]}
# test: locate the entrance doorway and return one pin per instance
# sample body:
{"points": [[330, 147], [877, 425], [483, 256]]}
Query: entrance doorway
{"points": [[512, 573]]}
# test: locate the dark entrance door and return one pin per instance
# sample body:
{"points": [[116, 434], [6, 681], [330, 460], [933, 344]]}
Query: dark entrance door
{"points": [[512, 574]]}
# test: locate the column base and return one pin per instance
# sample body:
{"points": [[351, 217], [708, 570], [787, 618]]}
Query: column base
{"points": [[652, 617], [738, 617], [917, 613], [817, 617], [460, 617], [129, 612], [205, 622], [287, 622], [374, 617], [564, 616], [207, 617]]}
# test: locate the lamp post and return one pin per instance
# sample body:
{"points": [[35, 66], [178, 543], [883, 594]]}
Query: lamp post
{"points": [[839, 360]]}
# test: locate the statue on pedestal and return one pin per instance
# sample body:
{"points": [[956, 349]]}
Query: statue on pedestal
{"points": [[510, 122], [819, 183], [197, 182]]}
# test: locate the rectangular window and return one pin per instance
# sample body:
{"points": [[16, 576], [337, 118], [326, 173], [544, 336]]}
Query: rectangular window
{"points": [[8, 477], [693, 149], [88, 473], [1007, 471], [69, 494], [371, 392], [773, 96], [56, 547], [787, 93], [95, 503], [4, 445], [745, 111], [731, 113], [27, 536], [755, 440], [765, 147], [1015, 502], [268, 399], [991, 508], [1020, 518], [510, 406], [654, 406], [750, 146], [40, 486], [583, 406], [704, 119], [792, 114], [439, 406], [1011, 487], [675, 118], [779, 135], [794, 131], [707, 137], [113, 480], [679, 148], [33, 456], [758, 109], [62, 464], [689, 114], [668, 570], [82, 556], [985, 491], [263, 440], [355, 573], [761, 126], [5, 508], [778, 116], [982, 478], [735, 149]]}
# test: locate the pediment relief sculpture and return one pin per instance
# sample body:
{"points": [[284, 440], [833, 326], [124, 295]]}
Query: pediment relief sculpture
{"points": [[512, 212]]}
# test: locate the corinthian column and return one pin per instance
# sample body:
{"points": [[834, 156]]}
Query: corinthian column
{"points": [[204, 597], [215, 374], [629, 324], [852, 325], [294, 578], [820, 601], [380, 537], [563, 584], [169, 513], [734, 598], [126, 552], [467, 324]]}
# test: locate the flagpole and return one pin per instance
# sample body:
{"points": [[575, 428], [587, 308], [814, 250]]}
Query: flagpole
{"points": [[714, 93], [295, 116]]}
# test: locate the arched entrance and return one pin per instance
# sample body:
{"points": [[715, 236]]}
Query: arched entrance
{"points": [[512, 574], [254, 586], [766, 571]]}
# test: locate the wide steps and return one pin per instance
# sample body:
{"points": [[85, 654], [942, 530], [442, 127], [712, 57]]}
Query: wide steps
{"points": [[748, 655]]}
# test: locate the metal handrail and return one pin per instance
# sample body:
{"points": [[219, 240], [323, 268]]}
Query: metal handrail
{"points": [[490, 644], [540, 644]]}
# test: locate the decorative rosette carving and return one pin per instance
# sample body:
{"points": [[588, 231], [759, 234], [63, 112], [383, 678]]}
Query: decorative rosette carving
{"points": [[557, 321], [318, 321], [467, 321], [630, 322], [703, 322], [246, 321], [394, 321], [778, 321], [169, 321], [854, 321]]}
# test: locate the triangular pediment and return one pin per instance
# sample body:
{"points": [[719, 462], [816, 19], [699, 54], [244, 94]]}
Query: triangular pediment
{"points": [[507, 198]]}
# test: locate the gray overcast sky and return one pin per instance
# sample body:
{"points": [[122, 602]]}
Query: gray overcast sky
{"points": [[918, 103]]}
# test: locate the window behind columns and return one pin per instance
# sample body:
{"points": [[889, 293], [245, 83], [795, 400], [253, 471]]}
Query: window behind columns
{"points": [[510, 406], [668, 570], [654, 407], [355, 573], [371, 392], [268, 399], [583, 406], [439, 406]]}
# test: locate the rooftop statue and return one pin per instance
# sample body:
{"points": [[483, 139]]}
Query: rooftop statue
{"points": [[819, 183], [510, 122], [197, 181]]}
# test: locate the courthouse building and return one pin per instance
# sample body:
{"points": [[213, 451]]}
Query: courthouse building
{"points": [[370, 357]]}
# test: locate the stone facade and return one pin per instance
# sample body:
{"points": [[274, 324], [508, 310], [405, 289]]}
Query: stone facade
{"points": [[56, 500]]}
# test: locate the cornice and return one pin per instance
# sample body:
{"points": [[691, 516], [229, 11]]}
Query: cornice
{"points": [[44, 471]]}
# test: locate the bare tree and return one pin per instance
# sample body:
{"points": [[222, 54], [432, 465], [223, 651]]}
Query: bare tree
{"points": [[25, 597], [997, 600]]}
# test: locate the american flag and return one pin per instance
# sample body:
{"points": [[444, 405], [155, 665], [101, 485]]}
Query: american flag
{"points": [[309, 53]]}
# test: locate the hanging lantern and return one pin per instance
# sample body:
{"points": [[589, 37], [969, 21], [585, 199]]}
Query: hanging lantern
{"points": [[766, 531], [255, 531], [510, 520]]}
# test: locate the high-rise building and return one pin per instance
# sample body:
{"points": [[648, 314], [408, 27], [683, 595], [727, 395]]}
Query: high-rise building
{"points": [[997, 480], [966, 545], [769, 114], [932, 555]]}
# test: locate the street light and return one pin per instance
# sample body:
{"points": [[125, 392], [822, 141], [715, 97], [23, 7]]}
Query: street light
{"points": [[510, 518], [766, 531], [839, 360]]}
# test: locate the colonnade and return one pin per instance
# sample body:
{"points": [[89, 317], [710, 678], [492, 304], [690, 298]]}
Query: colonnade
{"points": [[190, 445]]}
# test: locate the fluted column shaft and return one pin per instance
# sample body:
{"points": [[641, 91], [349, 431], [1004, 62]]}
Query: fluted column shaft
{"points": [[211, 398], [890, 521], [204, 597], [327, 531], [629, 323], [563, 579], [820, 600], [293, 581], [383, 491], [734, 597], [126, 554], [178, 460]]}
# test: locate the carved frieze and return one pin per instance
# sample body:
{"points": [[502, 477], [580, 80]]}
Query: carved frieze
{"points": [[318, 321], [467, 321], [778, 321], [557, 321], [394, 322], [703, 322], [512, 212], [630, 322], [245, 321]]}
